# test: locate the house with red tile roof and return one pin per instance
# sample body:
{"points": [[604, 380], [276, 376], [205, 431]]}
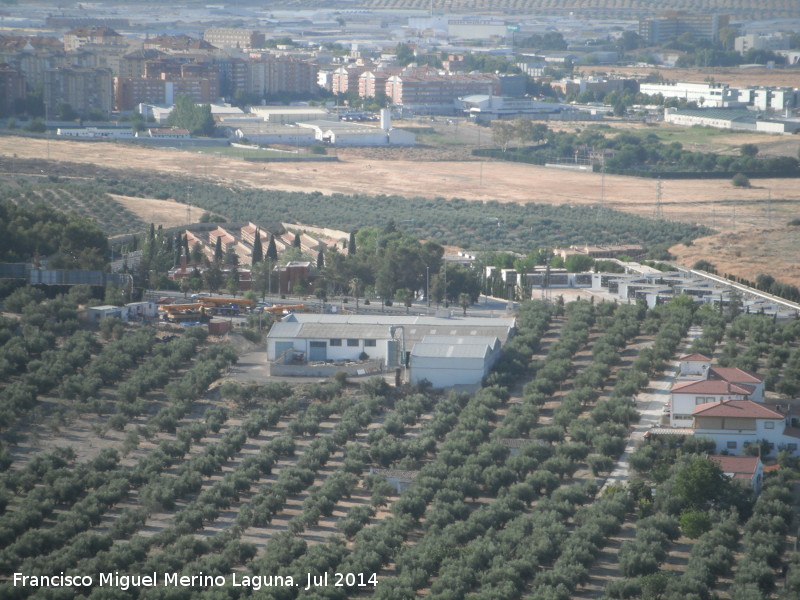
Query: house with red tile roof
{"points": [[747, 470], [700, 383], [694, 365], [733, 424], [739, 377], [686, 395]]}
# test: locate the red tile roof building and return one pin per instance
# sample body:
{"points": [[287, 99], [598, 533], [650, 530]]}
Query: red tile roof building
{"points": [[80, 36]]}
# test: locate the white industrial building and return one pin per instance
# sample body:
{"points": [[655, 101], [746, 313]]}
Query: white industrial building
{"points": [[705, 94], [96, 133], [484, 108], [444, 350], [274, 133], [446, 361], [338, 133], [292, 114]]}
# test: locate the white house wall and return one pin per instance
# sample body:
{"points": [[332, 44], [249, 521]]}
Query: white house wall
{"points": [[774, 436], [343, 352], [444, 377], [684, 404]]}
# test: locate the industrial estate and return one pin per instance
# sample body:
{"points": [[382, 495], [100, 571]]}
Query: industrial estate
{"points": [[399, 300]]}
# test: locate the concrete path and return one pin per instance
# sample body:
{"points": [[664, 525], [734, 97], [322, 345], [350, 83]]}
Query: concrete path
{"points": [[651, 404]]}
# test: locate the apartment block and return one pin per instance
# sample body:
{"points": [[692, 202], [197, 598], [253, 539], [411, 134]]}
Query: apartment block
{"points": [[133, 64], [131, 91], [438, 92], [12, 87], [230, 37], [83, 89], [667, 26], [270, 74], [345, 79]]}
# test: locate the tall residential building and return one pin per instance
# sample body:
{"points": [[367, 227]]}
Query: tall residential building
{"points": [[667, 26], [129, 92], [370, 83], [133, 63], [98, 56], [85, 90], [270, 74], [345, 79], [229, 37], [12, 87], [33, 56]]}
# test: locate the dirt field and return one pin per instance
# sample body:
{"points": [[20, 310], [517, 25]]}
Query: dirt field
{"points": [[164, 212], [714, 203], [734, 76], [688, 200]]}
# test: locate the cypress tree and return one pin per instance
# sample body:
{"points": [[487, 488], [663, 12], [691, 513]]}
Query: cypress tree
{"points": [[272, 250], [320, 260], [258, 252], [218, 256], [351, 244], [296, 240]]}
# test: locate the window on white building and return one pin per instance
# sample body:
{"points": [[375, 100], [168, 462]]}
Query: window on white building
{"points": [[769, 425], [731, 445], [336, 342], [352, 343]]}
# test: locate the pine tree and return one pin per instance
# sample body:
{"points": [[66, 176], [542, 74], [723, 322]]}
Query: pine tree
{"points": [[351, 244], [272, 250], [258, 252], [218, 256]]}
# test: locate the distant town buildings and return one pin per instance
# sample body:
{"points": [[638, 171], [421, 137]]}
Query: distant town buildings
{"points": [[81, 36]]}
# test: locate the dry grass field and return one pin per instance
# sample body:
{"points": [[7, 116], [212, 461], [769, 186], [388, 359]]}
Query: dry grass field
{"points": [[735, 76], [747, 212]]}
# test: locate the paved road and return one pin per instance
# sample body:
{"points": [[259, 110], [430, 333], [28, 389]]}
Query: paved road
{"points": [[650, 404]]}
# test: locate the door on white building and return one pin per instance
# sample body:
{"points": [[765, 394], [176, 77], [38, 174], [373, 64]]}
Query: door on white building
{"points": [[281, 348], [318, 351]]}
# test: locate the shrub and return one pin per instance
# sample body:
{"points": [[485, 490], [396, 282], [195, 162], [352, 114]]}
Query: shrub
{"points": [[694, 524], [740, 180]]}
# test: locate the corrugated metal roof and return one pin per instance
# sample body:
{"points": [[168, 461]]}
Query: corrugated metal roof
{"points": [[322, 331], [284, 329], [423, 350], [471, 338]]}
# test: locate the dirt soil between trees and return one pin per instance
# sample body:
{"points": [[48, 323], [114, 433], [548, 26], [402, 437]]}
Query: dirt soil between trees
{"points": [[756, 215]]}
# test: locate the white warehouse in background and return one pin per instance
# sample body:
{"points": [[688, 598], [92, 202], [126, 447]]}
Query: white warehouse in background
{"points": [[446, 361]]}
